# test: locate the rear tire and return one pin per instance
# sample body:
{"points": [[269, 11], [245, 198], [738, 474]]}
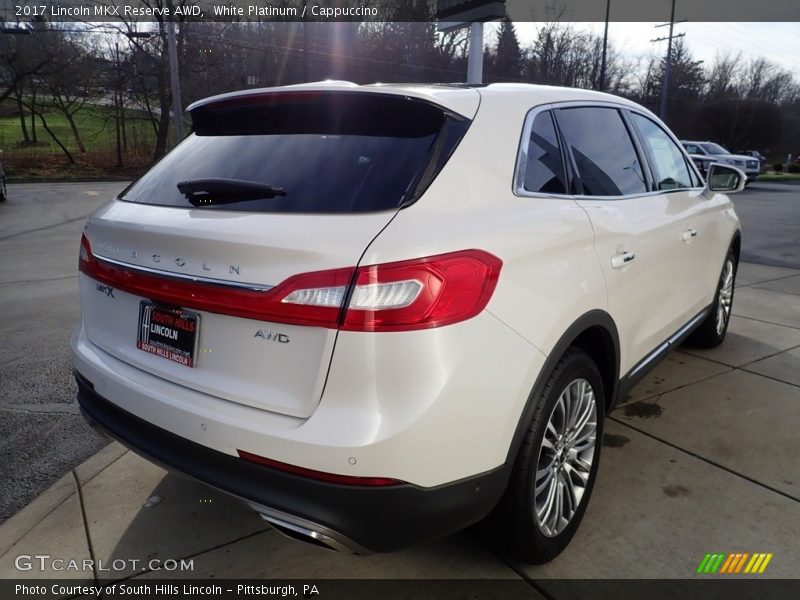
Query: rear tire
{"points": [[712, 330], [3, 189], [556, 466]]}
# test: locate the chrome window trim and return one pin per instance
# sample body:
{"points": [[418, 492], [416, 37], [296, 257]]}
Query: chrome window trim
{"points": [[518, 185], [255, 287]]}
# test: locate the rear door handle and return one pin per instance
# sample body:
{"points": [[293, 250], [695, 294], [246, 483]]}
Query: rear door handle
{"points": [[623, 258], [689, 234]]}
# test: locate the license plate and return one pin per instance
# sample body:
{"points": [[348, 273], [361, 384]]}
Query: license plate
{"points": [[167, 332]]}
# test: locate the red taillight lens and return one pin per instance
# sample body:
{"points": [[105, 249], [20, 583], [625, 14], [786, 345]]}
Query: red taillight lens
{"points": [[84, 254], [319, 475], [401, 296], [407, 295], [446, 289]]}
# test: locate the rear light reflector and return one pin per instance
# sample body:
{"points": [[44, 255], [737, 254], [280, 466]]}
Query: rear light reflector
{"points": [[402, 296], [319, 475]]}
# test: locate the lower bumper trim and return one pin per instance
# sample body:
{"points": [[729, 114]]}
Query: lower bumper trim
{"points": [[356, 519]]}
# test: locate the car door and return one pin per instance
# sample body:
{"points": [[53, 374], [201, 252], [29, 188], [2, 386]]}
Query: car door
{"points": [[635, 230], [696, 217]]}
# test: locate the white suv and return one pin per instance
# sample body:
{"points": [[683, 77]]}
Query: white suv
{"points": [[706, 153], [380, 313]]}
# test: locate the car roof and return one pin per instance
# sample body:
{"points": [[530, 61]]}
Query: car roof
{"points": [[460, 98]]}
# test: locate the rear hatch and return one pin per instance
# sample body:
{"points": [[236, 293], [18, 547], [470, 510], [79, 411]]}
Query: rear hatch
{"points": [[186, 274]]}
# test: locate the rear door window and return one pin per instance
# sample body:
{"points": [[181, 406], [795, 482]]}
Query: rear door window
{"points": [[322, 152], [603, 152], [543, 169]]}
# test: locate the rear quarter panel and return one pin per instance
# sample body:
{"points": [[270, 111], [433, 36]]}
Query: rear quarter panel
{"points": [[550, 277]]}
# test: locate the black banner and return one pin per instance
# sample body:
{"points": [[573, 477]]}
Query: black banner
{"points": [[31, 11], [731, 588]]}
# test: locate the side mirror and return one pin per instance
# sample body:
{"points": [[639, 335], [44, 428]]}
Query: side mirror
{"points": [[724, 178]]}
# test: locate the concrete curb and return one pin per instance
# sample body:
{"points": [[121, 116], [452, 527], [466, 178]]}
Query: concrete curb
{"points": [[19, 525]]}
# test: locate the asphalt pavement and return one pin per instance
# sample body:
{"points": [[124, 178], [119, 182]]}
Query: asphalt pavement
{"points": [[42, 435], [770, 214]]}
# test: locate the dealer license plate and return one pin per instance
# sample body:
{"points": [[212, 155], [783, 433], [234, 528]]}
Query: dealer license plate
{"points": [[168, 332]]}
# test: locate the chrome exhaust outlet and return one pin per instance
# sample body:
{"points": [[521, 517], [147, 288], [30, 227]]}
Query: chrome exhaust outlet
{"points": [[303, 534], [297, 528]]}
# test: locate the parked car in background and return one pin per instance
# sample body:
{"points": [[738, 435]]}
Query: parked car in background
{"points": [[380, 313], [758, 156], [706, 153], [3, 188]]}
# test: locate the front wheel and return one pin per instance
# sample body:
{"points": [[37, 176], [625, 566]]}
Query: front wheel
{"points": [[712, 330], [555, 469]]}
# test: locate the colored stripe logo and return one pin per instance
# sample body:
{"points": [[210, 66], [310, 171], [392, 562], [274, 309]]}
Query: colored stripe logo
{"points": [[734, 563]]}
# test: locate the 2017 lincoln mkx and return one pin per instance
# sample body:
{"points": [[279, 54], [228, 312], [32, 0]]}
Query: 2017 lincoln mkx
{"points": [[379, 314]]}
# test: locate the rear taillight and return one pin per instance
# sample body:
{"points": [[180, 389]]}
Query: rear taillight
{"points": [[401, 296], [422, 293], [84, 254], [413, 294]]}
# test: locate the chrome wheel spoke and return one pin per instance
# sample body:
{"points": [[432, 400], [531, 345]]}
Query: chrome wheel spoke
{"points": [[565, 457], [570, 497], [585, 442], [548, 502], [562, 406], [545, 479], [583, 420], [581, 472]]}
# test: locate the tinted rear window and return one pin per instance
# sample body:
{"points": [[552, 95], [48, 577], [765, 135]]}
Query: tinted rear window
{"points": [[544, 171], [329, 152]]}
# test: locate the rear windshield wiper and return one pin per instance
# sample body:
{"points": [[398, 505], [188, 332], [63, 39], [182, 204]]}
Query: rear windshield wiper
{"points": [[205, 192]]}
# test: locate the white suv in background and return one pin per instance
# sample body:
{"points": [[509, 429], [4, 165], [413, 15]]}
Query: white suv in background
{"points": [[706, 153], [380, 313]]}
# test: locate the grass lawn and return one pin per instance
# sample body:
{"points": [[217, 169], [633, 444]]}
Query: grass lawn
{"points": [[97, 129], [95, 124], [778, 177]]}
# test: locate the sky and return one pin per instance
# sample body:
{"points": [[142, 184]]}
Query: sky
{"points": [[777, 42]]}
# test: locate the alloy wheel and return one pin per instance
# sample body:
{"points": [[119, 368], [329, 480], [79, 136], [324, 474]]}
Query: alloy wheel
{"points": [[565, 457], [725, 297]]}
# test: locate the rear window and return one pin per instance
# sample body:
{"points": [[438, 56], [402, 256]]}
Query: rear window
{"points": [[325, 152], [544, 171]]}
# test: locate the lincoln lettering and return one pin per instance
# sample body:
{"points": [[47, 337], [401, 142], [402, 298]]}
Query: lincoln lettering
{"points": [[164, 331]]}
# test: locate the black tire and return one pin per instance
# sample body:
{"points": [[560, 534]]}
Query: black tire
{"points": [[709, 334], [520, 529], [3, 190]]}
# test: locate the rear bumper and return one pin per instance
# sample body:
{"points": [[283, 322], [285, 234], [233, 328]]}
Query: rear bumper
{"points": [[359, 518]]}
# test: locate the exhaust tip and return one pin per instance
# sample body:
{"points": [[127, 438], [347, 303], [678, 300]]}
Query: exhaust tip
{"points": [[306, 536], [309, 535]]}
